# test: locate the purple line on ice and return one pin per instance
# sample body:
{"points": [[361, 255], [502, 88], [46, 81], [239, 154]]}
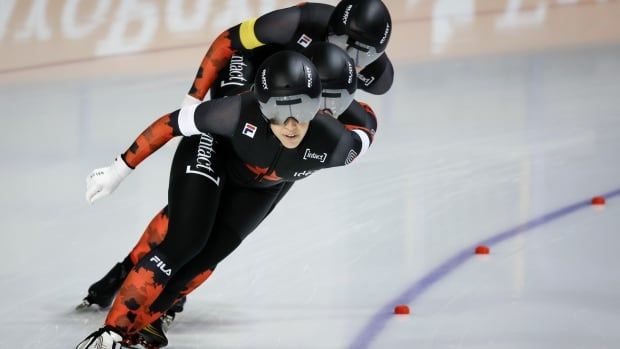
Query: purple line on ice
{"points": [[379, 320]]}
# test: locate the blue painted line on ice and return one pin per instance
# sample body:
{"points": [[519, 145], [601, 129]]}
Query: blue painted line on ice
{"points": [[378, 322]]}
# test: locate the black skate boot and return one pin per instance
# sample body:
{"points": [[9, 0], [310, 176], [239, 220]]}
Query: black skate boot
{"points": [[103, 291], [177, 307], [153, 336]]}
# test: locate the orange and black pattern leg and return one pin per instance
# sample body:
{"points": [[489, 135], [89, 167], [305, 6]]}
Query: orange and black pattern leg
{"points": [[172, 295], [193, 201], [131, 309], [195, 282], [153, 236]]}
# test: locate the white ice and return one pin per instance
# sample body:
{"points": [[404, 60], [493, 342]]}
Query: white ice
{"points": [[466, 149]]}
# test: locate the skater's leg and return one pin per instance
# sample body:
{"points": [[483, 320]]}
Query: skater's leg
{"points": [[225, 238], [193, 274], [193, 201], [230, 229], [103, 291], [153, 235], [158, 227]]}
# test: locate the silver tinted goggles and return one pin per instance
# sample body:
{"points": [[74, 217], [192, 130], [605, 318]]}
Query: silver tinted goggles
{"points": [[361, 53], [300, 107], [336, 101]]}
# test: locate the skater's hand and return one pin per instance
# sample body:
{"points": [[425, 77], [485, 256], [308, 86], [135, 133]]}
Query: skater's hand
{"points": [[103, 181]]}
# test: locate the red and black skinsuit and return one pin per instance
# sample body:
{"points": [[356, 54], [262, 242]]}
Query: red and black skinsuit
{"points": [[227, 69], [223, 183], [292, 28]]}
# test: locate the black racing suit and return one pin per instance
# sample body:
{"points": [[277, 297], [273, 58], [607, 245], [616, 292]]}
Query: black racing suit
{"points": [[292, 28], [228, 69], [222, 185]]}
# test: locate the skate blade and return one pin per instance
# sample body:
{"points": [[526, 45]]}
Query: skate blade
{"points": [[84, 305], [140, 345]]}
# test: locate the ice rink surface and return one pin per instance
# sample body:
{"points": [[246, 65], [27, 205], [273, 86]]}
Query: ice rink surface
{"points": [[505, 149]]}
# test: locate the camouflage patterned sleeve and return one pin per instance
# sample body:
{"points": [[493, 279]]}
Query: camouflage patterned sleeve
{"points": [[151, 139], [215, 60], [275, 27]]}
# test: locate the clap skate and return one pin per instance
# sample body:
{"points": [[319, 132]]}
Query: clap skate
{"points": [[107, 338], [153, 336], [103, 291]]}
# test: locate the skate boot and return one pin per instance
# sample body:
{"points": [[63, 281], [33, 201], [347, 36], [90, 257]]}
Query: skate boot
{"points": [[103, 291], [153, 336], [177, 307], [103, 338]]}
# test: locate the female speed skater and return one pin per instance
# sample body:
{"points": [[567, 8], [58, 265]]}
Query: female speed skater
{"points": [[361, 27], [337, 77], [265, 139]]}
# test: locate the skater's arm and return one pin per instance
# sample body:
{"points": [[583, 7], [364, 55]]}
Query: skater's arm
{"points": [[151, 139], [352, 144], [218, 116], [275, 27], [360, 124], [360, 116]]}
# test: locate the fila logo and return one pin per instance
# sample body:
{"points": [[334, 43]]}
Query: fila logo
{"points": [[249, 130], [304, 40], [161, 265], [314, 156], [302, 174]]}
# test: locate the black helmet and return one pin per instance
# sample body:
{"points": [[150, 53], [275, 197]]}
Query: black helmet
{"points": [[362, 28], [337, 73], [288, 85]]}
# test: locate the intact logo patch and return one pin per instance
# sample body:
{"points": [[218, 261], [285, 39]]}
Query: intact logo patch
{"points": [[310, 155], [304, 40], [249, 130]]}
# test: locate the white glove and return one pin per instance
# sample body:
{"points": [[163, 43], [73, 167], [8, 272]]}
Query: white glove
{"points": [[103, 181]]}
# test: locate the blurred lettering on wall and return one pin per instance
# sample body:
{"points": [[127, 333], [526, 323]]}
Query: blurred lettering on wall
{"points": [[46, 33]]}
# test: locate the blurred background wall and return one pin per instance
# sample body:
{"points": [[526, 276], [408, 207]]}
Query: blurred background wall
{"points": [[49, 39]]}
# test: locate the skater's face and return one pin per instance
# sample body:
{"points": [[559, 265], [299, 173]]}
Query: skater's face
{"points": [[290, 133]]}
